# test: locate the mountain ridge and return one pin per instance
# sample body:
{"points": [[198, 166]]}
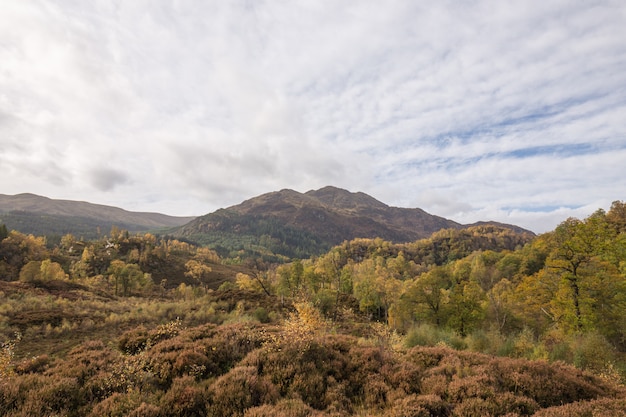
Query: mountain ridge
{"points": [[31, 213], [277, 225], [313, 222]]}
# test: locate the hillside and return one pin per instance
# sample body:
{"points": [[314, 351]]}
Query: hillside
{"points": [[238, 353], [30, 213], [468, 322], [292, 224]]}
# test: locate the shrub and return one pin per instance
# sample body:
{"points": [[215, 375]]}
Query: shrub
{"points": [[428, 335], [419, 406], [593, 352], [283, 408], [205, 351], [58, 395], [7, 351], [261, 315], [240, 389], [117, 405], [184, 398], [37, 364], [546, 384], [133, 341], [375, 392], [145, 410], [86, 360], [14, 392], [602, 407]]}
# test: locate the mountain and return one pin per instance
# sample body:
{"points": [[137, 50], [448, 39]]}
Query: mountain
{"points": [[30, 213], [299, 225]]}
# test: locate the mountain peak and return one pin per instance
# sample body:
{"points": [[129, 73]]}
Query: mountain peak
{"points": [[343, 199], [298, 224]]}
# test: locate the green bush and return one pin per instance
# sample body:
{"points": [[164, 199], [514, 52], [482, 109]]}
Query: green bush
{"points": [[593, 352], [262, 315], [428, 335]]}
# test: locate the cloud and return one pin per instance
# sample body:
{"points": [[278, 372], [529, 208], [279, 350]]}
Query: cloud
{"points": [[467, 110], [106, 179]]}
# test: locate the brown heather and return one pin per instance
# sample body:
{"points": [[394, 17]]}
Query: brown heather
{"points": [[230, 370]]}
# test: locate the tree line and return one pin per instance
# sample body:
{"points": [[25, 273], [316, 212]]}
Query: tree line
{"points": [[552, 290], [120, 263]]}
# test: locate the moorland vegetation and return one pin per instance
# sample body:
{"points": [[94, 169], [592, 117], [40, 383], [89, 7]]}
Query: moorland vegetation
{"points": [[481, 321]]}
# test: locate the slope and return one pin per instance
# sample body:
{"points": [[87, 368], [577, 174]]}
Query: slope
{"points": [[293, 224], [30, 213]]}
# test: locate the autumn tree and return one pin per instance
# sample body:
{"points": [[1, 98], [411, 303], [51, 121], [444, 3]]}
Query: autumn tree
{"points": [[426, 295], [198, 271], [16, 250], [375, 287], [616, 217], [576, 244], [83, 268], [127, 277]]}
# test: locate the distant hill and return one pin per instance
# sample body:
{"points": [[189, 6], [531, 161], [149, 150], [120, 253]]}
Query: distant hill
{"points": [[299, 225], [30, 213]]}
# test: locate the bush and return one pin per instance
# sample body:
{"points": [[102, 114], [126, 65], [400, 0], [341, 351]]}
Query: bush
{"points": [[240, 389], [593, 352], [261, 315], [283, 408], [601, 407], [37, 364], [419, 406], [117, 405], [185, 398], [427, 335]]}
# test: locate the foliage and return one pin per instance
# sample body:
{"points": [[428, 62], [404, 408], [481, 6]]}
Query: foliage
{"points": [[242, 236], [487, 327]]}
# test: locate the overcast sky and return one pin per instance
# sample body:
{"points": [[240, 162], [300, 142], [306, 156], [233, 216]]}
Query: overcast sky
{"points": [[471, 110]]}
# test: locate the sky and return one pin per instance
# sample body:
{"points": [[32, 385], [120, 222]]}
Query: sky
{"points": [[471, 110]]}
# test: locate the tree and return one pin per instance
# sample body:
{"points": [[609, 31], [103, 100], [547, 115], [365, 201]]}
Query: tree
{"points": [[290, 279], [127, 277], [617, 216], [367, 289], [52, 271], [68, 241], [531, 300], [425, 295], [4, 233], [31, 272], [83, 268], [245, 282], [466, 306], [16, 250], [576, 244], [197, 270]]}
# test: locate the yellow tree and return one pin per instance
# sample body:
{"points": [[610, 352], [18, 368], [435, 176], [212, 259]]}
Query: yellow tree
{"points": [[16, 250], [127, 277], [576, 245], [198, 271], [52, 271], [426, 295]]}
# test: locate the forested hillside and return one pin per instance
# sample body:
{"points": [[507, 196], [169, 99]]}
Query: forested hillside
{"points": [[286, 224], [478, 321]]}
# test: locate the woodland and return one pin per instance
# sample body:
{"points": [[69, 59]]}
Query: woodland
{"points": [[481, 321]]}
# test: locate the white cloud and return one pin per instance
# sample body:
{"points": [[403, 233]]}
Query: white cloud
{"points": [[475, 111]]}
